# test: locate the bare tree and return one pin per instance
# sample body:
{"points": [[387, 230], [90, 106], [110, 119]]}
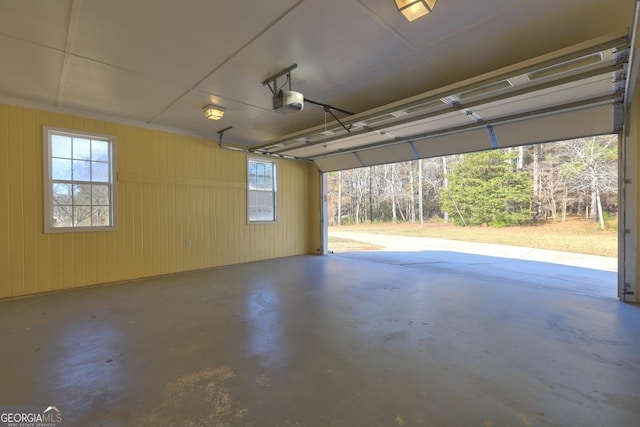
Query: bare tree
{"points": [[445, 172], [339, 198], [593, 169]]}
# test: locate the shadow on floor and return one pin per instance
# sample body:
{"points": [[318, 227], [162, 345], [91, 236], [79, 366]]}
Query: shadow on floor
{"points": [[507, 271]]}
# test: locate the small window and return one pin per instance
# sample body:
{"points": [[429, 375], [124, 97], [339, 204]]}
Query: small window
{"points": [[262, 197], [79, 184]]}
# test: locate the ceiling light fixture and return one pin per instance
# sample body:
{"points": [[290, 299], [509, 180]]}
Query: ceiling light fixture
{"points": [[213, 112], [414, 9]]}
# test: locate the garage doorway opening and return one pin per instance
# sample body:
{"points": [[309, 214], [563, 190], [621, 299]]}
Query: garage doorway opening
{"points": [[560, 200]]}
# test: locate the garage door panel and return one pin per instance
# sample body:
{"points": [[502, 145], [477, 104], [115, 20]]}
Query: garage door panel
{"points": [[309, 151], [461, 142], [387, 154], [559, 95], [340, 162], [346, 144], [445, 121], [556, 127]]}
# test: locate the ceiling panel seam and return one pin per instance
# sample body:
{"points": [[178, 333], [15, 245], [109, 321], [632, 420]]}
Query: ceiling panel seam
{"points": [[387, 27], [74, 16], [229, 58], [248, 43]]}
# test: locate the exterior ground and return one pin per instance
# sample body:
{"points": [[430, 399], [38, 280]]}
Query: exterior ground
{"points": [[577, 235]]}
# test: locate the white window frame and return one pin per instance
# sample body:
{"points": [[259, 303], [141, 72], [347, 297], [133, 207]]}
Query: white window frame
{"points": [[47, 134], [273, 192]]}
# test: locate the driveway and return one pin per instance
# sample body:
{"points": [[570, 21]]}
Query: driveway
{"points": [[518, 266]]}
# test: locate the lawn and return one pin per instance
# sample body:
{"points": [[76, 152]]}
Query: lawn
{"points": [[574, 235]]}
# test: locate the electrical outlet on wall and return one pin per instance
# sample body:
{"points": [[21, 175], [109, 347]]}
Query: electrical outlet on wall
{"points": [[188, 243]]}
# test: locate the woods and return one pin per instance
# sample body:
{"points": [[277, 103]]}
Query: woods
{"points": [[496, 188]]}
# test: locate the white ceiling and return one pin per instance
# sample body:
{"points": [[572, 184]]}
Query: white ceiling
{"points": [[158, 62]]}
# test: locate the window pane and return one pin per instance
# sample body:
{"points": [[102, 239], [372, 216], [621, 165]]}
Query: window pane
{"points": [[81, 149], [100, 172], [261, 183], [62, 216], [261, 214], [267, 185], [100, 216], [61, 146], [100, 195], [79, 186], [254, 185], [61, 194], [253, 178], [264, 199], [99, 150], [81, 194], [81, 170], [82, 216], [261, 175], [257, 198], [261, 206], [61, 169]]}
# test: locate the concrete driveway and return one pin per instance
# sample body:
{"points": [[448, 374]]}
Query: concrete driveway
{"points": [[512, 265]]}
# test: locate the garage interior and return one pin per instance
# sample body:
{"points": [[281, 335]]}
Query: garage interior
{"points": [[187, 312]]}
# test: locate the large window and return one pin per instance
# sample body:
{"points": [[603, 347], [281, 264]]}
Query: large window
{"points": [[78, 181], [262, 190]]}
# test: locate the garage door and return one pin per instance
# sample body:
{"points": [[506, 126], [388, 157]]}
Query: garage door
{"points": [[567, 94]]}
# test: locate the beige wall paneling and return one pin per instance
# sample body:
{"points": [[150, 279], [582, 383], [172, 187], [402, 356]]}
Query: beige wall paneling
{"points": [[43, 242], [5, 226], [634, 242], [30, 168], [16, 204], [170, 188]]}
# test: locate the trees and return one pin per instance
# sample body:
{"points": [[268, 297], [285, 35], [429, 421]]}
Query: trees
{"points": [[486, 188], [560, 179], [592, 168]]}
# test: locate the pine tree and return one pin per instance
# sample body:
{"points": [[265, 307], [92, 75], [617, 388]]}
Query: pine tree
{"points": [[486, 188]]}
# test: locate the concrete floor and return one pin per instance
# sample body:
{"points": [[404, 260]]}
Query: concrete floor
{"points": [[342, 340]]}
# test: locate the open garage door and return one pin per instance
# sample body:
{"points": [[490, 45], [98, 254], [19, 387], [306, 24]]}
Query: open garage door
{"points": [[568, 94], [572, 93]]}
